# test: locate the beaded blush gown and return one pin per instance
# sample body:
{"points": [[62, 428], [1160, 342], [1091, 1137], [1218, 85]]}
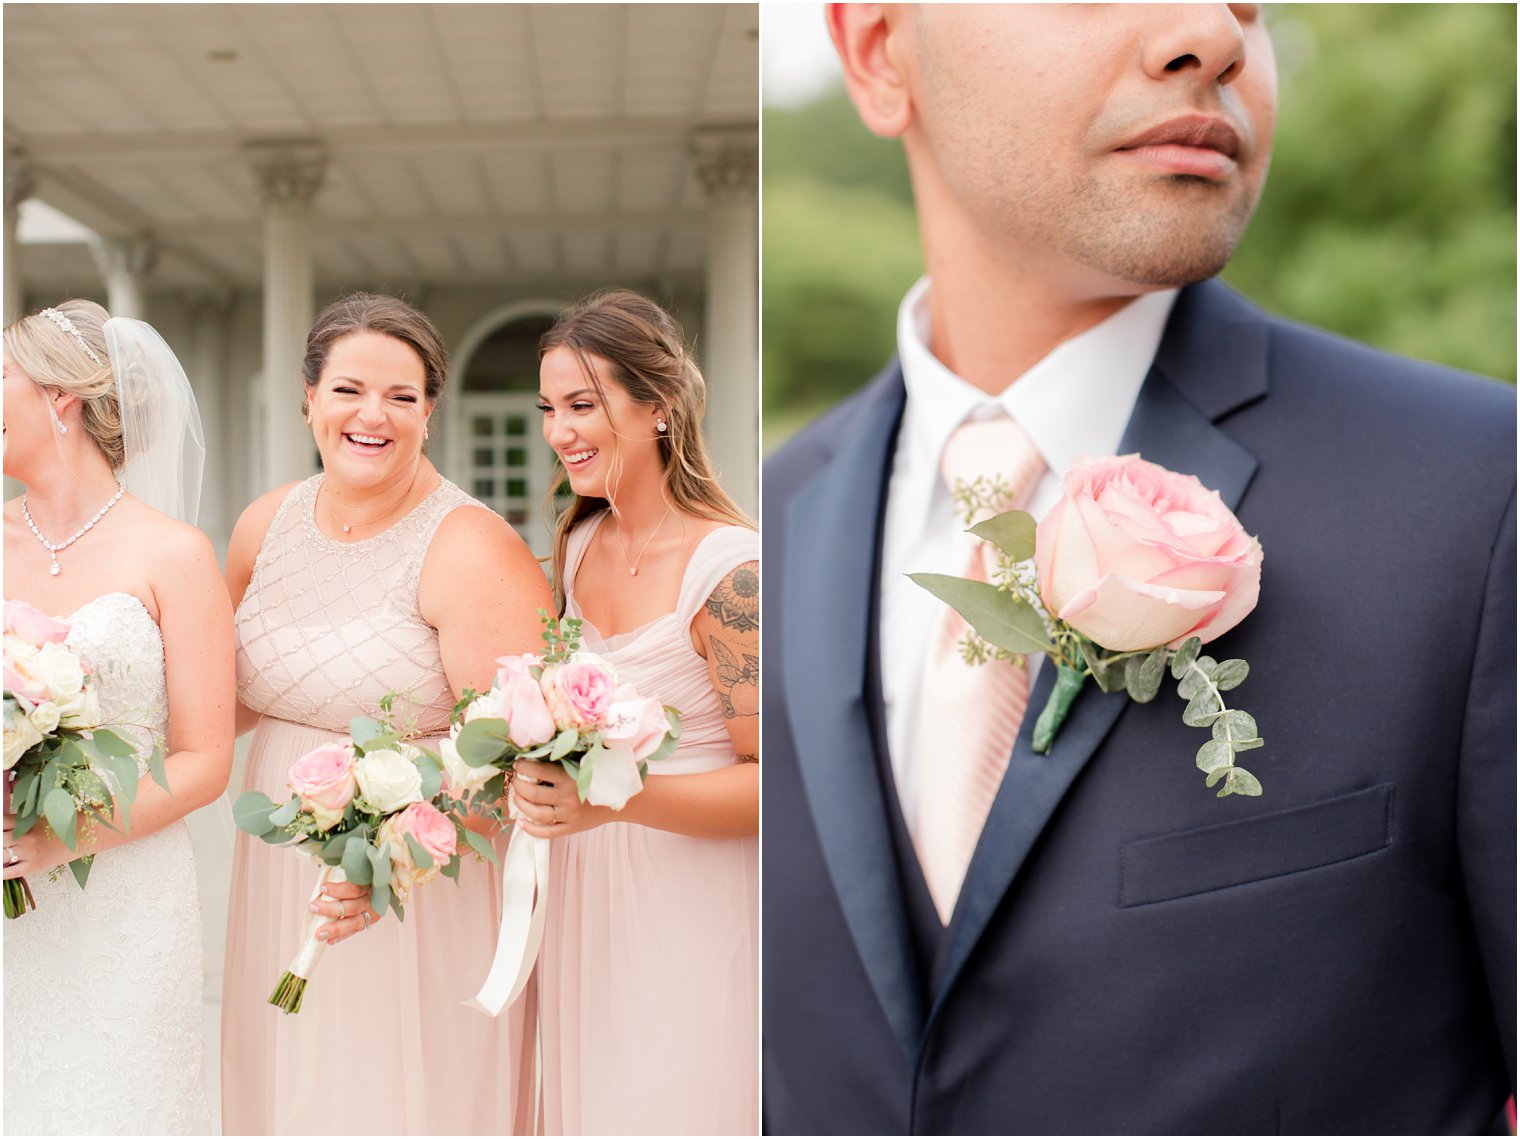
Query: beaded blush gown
{"points": [[648, 978], [103, 986], [382, 1044]]}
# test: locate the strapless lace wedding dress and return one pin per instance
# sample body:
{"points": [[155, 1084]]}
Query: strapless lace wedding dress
{"points": [[103, 986]]}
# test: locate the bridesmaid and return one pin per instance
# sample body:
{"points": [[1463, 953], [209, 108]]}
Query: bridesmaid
{"points": [[647, 977], [377, 575]]}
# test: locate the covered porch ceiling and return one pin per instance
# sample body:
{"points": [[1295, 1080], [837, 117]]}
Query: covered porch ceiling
{"points": [[459, 143]]}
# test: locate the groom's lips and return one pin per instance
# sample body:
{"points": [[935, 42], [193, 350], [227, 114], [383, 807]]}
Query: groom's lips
{"points": [[1191, 144]]}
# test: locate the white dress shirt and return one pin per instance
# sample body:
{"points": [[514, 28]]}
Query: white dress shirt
{"points": [[1074, 402]]}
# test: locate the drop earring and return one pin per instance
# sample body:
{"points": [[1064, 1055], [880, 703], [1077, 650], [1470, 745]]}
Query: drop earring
{"points": [[58, 425]]}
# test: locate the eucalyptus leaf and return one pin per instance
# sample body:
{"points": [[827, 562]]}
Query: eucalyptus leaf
{"points": [[365, 731], [481, 846], [1215, 776], [1191, 684], [1240, 782], [563, 744], [1187, 653], [999, 618], [482, 742], [1242, 725], [80, 867], [251, 812], [1231, 674], [107, 742], [1215, 754], [285, 813], [451, 869], [396, 906], [380, 884], [1249, 745], [334, 848], [585, 770], [1202, 710], [156, 767], [432, 778], [420, 858], [1012, 532], [124, 769], [1108, 674], [1152, 672], [356, 863], [61, 814]]}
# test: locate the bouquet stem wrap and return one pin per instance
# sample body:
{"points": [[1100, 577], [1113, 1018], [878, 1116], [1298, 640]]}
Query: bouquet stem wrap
{"points": [[1053, 715], [292, 985], [524, 897], [18, 897]]}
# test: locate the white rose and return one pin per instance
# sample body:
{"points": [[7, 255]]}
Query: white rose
{"points": [[488, 705], [19, 734], [82, 710], [462, 779], [59, 669], [388, 780], [44, 717]]}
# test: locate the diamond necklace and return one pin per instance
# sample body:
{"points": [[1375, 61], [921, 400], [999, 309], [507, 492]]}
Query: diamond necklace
{"points": [[633, 566], [54, 550]]}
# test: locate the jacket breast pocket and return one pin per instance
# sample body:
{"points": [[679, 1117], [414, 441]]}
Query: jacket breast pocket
{"points": [[1252, 850]]}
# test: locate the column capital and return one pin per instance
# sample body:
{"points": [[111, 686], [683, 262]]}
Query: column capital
{"points": [[728, 161], [289, 173], [131, 256]]}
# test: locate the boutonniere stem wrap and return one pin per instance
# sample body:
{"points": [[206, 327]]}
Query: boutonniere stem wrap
{"points": [[1123, 581]]}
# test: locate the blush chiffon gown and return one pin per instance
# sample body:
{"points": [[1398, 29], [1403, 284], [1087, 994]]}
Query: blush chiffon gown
{"points": [[648, 984], [382, 1044]]}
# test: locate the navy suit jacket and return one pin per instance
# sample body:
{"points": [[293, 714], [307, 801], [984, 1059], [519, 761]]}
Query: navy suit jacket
{"points": [[1130, 954]]}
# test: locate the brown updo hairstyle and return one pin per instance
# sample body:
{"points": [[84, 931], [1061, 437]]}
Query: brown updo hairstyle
{"points": [[648, 356], [373, 312], [52, 357]]}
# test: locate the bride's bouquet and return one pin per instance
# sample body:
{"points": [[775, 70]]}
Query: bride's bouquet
{"points": [[363, 809], [561, 706], [60, 759]]}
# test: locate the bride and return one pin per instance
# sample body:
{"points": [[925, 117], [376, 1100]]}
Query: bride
{"points": [[103, 986]]}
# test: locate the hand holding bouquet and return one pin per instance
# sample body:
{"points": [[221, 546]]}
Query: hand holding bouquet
{"points": [[362, 809], [59, 758], [563, 706], [1128, 575]]}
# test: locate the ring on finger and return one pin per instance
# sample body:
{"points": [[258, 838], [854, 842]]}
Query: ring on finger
{"points": [[10, 856], [369, 918], [342, 908]]}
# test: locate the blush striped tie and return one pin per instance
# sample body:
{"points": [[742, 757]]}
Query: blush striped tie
{"points": [[969, 714]]}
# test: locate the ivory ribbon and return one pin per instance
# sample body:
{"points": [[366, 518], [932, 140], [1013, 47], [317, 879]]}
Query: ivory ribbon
{"points": [[305, 963], [524, 892]]}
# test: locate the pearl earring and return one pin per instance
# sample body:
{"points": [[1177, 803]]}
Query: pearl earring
{"points": [[59, 425]]}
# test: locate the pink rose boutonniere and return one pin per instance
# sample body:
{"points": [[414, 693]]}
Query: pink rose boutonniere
{"points": [[1129, 574]]}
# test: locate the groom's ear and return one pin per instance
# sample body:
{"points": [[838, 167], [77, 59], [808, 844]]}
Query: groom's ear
{"points": [[872, 40]]}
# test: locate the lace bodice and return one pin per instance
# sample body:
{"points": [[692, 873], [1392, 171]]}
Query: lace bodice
{"points": [[121, 643], [326, 628]]}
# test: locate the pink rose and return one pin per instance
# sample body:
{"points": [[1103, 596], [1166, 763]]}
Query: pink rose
{"points": [[636, 721], [579, 691], [32, 624], [324, 782], [433, 832], [529, 721], [1135, 556]]}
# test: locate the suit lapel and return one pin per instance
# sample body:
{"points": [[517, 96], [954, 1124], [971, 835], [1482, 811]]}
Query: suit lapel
{"points": [[1212, 361], [833, 532]]}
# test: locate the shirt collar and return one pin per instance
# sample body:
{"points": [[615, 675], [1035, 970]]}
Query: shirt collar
{"points": [[1073, 402]]}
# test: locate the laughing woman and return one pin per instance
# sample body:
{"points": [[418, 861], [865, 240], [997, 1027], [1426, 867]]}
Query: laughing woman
{"points": [[376, 576], [647, 977]]}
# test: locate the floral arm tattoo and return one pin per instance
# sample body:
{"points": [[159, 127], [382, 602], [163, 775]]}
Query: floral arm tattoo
{"points": [[731, 625]]}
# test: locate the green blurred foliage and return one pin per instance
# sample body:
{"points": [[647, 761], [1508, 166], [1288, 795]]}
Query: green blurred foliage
{"points": [[1389, 213]]}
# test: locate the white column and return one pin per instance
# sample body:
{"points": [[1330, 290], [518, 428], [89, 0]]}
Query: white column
{"points": [[728, 164], [207, 368], [289, 177], [124, 262], [19, 185]]}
